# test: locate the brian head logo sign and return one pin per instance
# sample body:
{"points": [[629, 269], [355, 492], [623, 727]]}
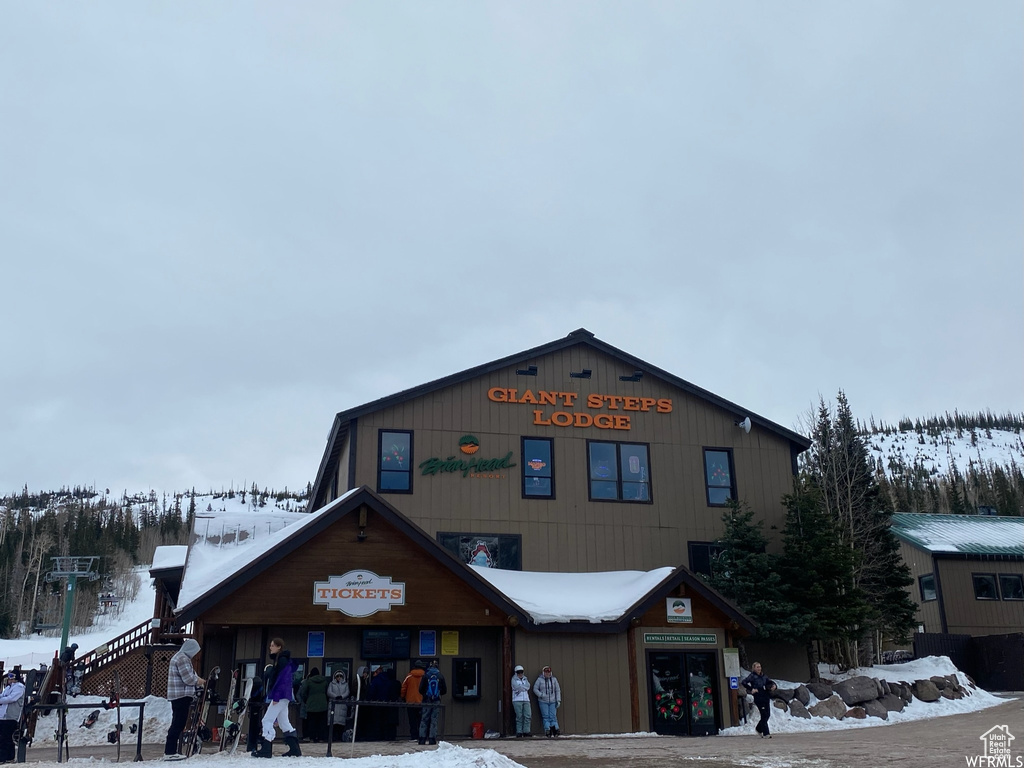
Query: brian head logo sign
{"points": [[474, 467], [996, 751], [358, 593]]}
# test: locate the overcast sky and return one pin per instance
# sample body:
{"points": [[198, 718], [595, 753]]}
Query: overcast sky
{"points": [[222, 223]]}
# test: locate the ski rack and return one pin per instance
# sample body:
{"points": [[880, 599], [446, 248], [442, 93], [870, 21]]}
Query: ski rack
{"points": [[65, 707]]}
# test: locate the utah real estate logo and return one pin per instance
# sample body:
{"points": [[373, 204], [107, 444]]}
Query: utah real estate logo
{"points": [[996, 750]]}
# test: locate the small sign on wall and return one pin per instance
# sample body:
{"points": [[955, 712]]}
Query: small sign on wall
{"points": [[450, 643], [428, 642], [678, 610], [315, 645]]}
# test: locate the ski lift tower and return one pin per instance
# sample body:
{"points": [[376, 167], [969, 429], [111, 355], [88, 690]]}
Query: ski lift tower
{"points": [[71, 568]]}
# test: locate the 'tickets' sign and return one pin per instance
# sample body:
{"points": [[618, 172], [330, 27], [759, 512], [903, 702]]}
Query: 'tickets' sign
{"points": [[358, 593]]}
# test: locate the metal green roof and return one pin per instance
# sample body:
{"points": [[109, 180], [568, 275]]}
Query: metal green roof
{"points": [[962, 534]]}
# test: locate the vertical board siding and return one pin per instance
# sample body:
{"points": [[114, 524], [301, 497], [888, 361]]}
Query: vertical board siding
{"points": [[571, 533], [965, 614]]}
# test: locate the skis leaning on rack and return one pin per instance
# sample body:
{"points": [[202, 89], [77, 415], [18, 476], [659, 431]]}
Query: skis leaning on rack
{"points": [[240, 714], [197, 730], [227, 711], [114, 737]]}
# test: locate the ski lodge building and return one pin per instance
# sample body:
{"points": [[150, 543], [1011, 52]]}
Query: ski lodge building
{"points": [[553, 507]]}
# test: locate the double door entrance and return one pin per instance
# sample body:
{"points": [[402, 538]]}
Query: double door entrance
{"points": [[684, 692]]}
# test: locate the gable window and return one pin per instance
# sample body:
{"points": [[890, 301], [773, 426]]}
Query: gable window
{"points": [[718, 476], [394, 462], [985, 586], [538, 468], [703, 556], [1011, 586], [927, 584], [619, 472]]}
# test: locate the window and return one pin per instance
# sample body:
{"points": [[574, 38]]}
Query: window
{"points": [[927, 584], [985, 586], [538, 468], [394, 467], [489, 550], [718, 476], [466, 678], [619, 472], [1011, 586], [703, 556]]}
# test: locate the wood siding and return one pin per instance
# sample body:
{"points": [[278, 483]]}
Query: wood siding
{"points": [[921, 564], [569, 532], [965, 614]]}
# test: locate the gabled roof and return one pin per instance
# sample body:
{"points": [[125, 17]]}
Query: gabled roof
{"points": [[247, 565], [964, 535], [340, 427], [202, 593]]}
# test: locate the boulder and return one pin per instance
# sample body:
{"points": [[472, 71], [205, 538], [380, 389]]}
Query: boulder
{"points": [[832, 707], [925, 690], [802, 695], [797, 709], [904, 691], [785, 694], [821, 691], [892, 703], [857, 689], [886, 690], [947, 693], [857, 713], [875, 708], [780, 704]]}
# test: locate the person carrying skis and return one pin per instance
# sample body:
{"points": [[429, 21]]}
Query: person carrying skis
{"points": [[278, 686], [11, 701], [181, 688]]}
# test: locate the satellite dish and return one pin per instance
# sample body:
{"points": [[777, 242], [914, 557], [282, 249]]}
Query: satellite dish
{"points": [[744, 425]]}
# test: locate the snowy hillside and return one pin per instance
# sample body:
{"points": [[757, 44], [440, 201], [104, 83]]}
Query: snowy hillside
{"points": [[936, 455]]}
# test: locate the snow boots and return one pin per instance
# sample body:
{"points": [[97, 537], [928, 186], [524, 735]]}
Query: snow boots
{"points": [[264, 749], [292, 740]]}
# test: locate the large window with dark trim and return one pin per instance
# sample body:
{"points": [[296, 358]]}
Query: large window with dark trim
{"points": [[394, 462], [1011, 586], [488, 550], [538, 468], [927, 584], [703, 555], [985, 586], [619, 472], [466, 679], [718, 476]]}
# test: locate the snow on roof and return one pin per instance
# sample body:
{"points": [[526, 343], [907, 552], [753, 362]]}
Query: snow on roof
{"points": [[564, 597], [210, 565], [967, 534], [169, 557]]}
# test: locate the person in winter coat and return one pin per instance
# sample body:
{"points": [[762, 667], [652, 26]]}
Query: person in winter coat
{"points": [[432, 688], [410, 694], [365, 724], [11, 702], [181, 688], [761, 686], [277, 685], [313, 693], [338, 691], [549, 699], [384, 688], [521, 702]]}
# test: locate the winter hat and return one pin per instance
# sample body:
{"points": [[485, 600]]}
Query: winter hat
{"points": [[519, 668], [374, 667], [190, 647]]}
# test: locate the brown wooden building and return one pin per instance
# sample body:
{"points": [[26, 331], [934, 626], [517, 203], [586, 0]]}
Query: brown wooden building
{"points": [[572, 457]]}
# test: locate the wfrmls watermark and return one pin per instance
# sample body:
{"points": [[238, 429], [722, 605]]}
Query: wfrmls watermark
{"points": [[996, 752]]}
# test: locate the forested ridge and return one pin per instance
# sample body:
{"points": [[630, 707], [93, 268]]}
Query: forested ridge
{"points": [[121, 531]]}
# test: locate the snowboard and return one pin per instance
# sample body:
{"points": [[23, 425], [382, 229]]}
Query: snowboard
{"points": [[90, 720], [241, 713], [226, 725]]}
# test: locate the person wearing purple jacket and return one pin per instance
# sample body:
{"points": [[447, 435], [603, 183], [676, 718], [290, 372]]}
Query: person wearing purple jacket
{"points": [[277, 682]]}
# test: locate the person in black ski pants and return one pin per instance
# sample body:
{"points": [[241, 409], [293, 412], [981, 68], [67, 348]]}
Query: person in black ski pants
{"points": [[761, 686]]}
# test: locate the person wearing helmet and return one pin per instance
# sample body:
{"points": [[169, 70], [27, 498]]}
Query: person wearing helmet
{"points": [[521, 702]]}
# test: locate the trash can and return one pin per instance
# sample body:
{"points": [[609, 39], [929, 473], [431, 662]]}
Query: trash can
{"points": [[478, 730]]}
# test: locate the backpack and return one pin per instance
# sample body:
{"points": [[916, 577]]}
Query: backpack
{"points": [[433, 692]]}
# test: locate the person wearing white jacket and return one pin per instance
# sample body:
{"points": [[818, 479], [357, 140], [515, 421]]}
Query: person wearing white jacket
{"points": [[549, 699], [11, 701], [521, 702]]}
